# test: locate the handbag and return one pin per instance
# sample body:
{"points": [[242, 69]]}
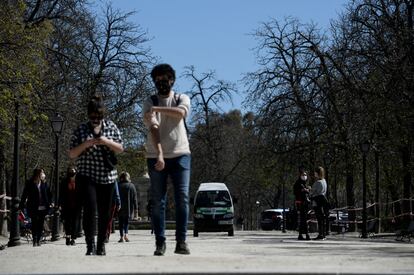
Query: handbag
{"points": [[109, 158]]}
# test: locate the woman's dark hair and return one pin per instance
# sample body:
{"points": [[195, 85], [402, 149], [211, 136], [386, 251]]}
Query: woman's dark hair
{"points": [[125, 177], [96, 106], [163, 69], [36, 174], [320, 171]]}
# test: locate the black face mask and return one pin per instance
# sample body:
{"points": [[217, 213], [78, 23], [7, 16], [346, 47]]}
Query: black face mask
{"points": [[163, 86]]}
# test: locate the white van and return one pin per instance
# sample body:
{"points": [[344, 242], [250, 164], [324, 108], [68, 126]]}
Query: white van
{"points": [[213, 209]]}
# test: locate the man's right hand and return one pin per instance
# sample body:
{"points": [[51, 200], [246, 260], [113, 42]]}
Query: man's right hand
{"points": [[160, 164]]}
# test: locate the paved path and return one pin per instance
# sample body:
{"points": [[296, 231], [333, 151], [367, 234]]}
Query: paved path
{"points": [[249, 252]]}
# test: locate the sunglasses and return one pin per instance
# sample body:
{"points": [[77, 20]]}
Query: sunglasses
{"points": [[95, 117]]}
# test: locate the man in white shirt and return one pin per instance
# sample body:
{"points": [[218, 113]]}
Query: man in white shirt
{"points": [[168, 154]]}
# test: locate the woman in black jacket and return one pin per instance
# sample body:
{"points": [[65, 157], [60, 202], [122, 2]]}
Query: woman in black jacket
{"points": [[36, 198], [301, 192]]}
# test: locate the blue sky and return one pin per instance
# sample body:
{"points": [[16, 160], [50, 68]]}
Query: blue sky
{"points": [[214, 34]]}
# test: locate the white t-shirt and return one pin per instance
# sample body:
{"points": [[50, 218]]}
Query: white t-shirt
{"points": [[173, 134]]}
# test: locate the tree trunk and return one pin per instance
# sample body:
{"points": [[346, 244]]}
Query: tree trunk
{"points": [[3, 223], [406, 159], [350, 197]]}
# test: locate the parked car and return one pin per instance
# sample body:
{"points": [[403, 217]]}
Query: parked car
{"points": [[272, 219], [338, 221], [213, 209]]}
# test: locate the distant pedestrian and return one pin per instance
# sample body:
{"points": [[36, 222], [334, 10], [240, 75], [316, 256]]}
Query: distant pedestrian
{"points": [[168, 155], [320, 202], [116, 205], [68, 203], [301, 192], [93, 145], [36, 198], [129, 205]]}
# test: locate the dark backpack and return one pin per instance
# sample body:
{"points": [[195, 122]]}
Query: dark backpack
{"points": [[177, 98]]}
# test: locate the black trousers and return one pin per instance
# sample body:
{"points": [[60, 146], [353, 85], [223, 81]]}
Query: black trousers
{"points": [[38, 220], [321, 218], [71, 222], [303, 217], [96, 200]]}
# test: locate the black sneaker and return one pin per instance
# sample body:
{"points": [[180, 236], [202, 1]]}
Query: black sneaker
{"points": [[90, 249], [301, 238], [160, 249], [100, 250], [308, 237], [67, 241], [72, 242], [182, 248]]}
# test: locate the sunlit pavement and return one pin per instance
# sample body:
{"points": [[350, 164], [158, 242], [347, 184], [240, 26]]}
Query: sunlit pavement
{"points": [[248, 252]]}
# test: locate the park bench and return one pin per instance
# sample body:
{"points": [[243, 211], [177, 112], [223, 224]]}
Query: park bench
{"points": [[407, 233], [371, 228]]}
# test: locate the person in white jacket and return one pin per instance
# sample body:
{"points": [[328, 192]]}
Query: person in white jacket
{"points": [[320, 202]]}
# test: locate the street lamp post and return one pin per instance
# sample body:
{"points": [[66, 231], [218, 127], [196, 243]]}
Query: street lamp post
{"points": [[365, 146], [284, 204], [14, 238], [57, 126], [326, 161], [257, 215]]}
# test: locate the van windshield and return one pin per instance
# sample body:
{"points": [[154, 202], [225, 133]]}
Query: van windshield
{"points": [[213, 199]]}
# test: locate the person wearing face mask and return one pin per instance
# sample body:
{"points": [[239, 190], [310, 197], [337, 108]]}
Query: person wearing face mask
{"points": [[36, 197], [68, 204], [93, 145], [301, 192], [168, 155]]}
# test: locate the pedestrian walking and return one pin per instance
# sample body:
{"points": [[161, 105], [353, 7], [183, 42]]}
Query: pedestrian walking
{"points": [[320, 202], [301, 192], [36, 198], [168, 155], [93, 145], [116, 205], [68, 204], [129, 205]]}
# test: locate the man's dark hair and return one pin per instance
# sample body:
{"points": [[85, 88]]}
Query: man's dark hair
{"points": [[96, 106], [163, 69]]}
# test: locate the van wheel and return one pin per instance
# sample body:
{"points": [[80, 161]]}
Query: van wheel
{"points": [[231, 233], [195, 233]]}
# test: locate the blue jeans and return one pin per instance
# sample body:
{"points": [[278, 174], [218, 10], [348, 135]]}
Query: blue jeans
{"points": [[179, 171], [123, 223]]}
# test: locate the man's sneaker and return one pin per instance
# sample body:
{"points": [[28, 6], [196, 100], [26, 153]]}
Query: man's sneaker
{"points": [[100, 250], [182, 248], [319, 237], [160, 249]]}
